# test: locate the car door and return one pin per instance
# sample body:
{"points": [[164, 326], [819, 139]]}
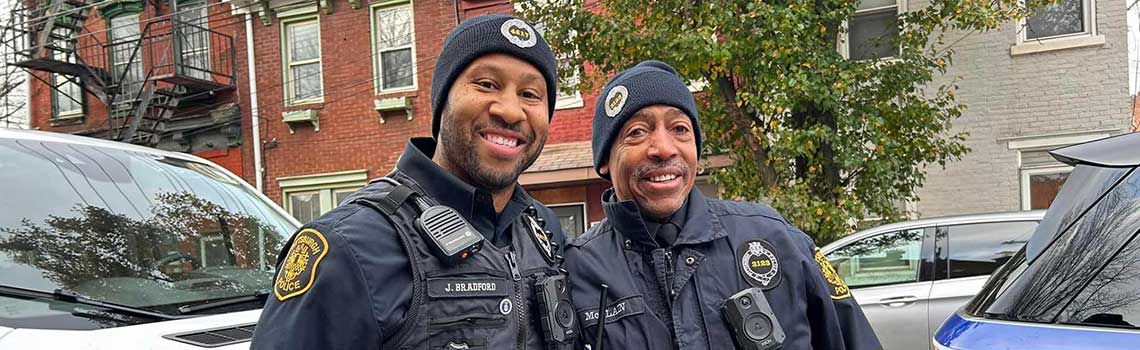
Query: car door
{"points": [[965, 256], [886, 276]]}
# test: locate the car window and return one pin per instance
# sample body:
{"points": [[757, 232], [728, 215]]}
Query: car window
{"points": [[1037, 290], [1112, 298], [887, 258], [131, 228], [978, 249]]}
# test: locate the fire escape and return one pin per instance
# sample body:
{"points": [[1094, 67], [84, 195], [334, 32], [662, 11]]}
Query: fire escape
{"points": [[142, 79]]}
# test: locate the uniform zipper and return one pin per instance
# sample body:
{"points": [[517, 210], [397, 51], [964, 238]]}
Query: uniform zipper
{"points": [[519, 305]]}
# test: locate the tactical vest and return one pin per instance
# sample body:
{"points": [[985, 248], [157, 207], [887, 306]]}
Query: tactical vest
{"points": [[486, 302]]}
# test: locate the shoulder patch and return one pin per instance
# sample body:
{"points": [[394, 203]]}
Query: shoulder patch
{"points": [[758, 264], [299, 269], [839, 288]]}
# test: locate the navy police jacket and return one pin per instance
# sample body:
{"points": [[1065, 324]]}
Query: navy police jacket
{"points": [[725, 247], [347, 282]]}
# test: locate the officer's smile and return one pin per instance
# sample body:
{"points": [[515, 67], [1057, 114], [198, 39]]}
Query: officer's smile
{"points": [[663, 180], [502, 143]]}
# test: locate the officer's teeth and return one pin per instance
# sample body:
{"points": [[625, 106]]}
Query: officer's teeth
{"points": [[502, 141], [663, 178]]}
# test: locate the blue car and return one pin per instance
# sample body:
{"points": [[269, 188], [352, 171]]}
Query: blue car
{"points": [[1076, 283]]}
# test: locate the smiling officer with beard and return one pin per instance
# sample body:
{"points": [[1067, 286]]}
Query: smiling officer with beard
{"points": [[671, 257], [367, 276]]}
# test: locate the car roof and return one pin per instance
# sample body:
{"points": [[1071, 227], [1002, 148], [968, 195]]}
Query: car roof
{"points": [[1025, 215], [35, 135], [1117, 151]]}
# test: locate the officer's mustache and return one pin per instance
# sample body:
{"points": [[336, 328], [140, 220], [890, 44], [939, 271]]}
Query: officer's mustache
{"points": [[644, 170]]}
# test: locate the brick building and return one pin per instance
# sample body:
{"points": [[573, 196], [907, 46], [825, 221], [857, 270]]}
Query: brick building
{"points": [[161, 74], [343, 85]]}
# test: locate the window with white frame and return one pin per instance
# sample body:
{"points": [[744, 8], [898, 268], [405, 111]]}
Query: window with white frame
{"points": [[302, 56], [873, 31], [393, 35], [1062, 19], [194, 38], [1041, 176], [307, 197]]}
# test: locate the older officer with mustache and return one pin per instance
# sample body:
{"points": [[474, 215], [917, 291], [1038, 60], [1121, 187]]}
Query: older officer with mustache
{"points": [[672, 258]]}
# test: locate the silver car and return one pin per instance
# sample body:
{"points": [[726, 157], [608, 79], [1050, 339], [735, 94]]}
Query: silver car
{"points": [[910, 276]]}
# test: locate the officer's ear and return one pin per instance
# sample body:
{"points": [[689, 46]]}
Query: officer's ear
{"points": [[605, 169]]}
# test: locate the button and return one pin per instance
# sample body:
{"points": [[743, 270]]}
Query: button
{"points": [[690, 261], [628, 244]]}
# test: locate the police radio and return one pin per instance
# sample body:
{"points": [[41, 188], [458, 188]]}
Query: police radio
{"points": [[450, 238], [753, 324]]}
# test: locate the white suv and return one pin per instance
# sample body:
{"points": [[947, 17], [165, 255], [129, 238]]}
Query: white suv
{"points": [[910, 276], [105, 245]]}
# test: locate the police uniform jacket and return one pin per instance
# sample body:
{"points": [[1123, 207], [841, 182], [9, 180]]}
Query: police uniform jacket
{"points": [[671, 298], [346, 280]]}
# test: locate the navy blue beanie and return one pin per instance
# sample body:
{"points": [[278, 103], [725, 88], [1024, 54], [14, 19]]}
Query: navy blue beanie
{"points": [[646, 84], [484, 35]]}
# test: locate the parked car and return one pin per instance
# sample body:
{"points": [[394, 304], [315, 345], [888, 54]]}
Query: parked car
{"points": [[106, 245], [1076, 283], [910, 276]]}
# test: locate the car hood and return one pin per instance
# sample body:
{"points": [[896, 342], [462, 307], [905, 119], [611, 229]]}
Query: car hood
{"points": [[143, 336]]}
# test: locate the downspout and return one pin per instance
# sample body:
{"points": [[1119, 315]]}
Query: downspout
{"points": [[256, 120]]}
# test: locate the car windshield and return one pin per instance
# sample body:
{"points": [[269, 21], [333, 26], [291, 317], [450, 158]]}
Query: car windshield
{"points": [[130, 228], [1095, 215]]}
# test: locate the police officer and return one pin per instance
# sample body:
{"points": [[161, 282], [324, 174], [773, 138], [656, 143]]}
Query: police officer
{"points": [[366, 276], [671, 257]]}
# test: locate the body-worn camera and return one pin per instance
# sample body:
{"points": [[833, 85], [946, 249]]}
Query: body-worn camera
{"points": [[559, 322], [450, 238], [753, 324]]}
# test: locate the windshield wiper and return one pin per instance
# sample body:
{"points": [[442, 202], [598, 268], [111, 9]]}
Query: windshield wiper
{"points": [[258, 296], [73, 298]]}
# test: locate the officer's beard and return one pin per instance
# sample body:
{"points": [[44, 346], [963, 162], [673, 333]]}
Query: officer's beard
{"points": [[458, 145]]}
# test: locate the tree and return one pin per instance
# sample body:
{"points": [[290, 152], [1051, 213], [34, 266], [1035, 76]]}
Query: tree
{"points": [[825, 140]]}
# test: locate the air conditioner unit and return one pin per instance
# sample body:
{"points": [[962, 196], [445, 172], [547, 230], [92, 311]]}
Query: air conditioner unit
{"points": [[302, 116], [393, 104]]}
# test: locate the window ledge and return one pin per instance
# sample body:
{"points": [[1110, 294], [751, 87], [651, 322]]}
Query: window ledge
{"points": [[69, 119], [1046, 45], [568, 103]]}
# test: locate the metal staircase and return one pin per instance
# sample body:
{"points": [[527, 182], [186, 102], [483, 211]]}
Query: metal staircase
{"points": [[54, 38]]}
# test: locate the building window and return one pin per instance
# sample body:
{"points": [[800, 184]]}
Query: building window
{"points": [[302, 53], [1064, 18], [1041, 175], [308, 197], [67, 98], [393, 35], [572, 217], [873, 31], [194, 38], [126, 61]]}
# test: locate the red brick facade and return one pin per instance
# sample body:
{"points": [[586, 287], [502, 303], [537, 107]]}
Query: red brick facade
{"points": [[351, 136], [95, 116]]}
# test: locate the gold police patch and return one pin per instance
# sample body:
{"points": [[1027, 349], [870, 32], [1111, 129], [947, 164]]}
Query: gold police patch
{"points": [[300, 266], [839, 288]]}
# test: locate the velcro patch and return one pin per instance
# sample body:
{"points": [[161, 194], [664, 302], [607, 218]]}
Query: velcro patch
{"points": [[467, 287], [615, 311], [299, 269], [758, 264], [838, 288]]}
